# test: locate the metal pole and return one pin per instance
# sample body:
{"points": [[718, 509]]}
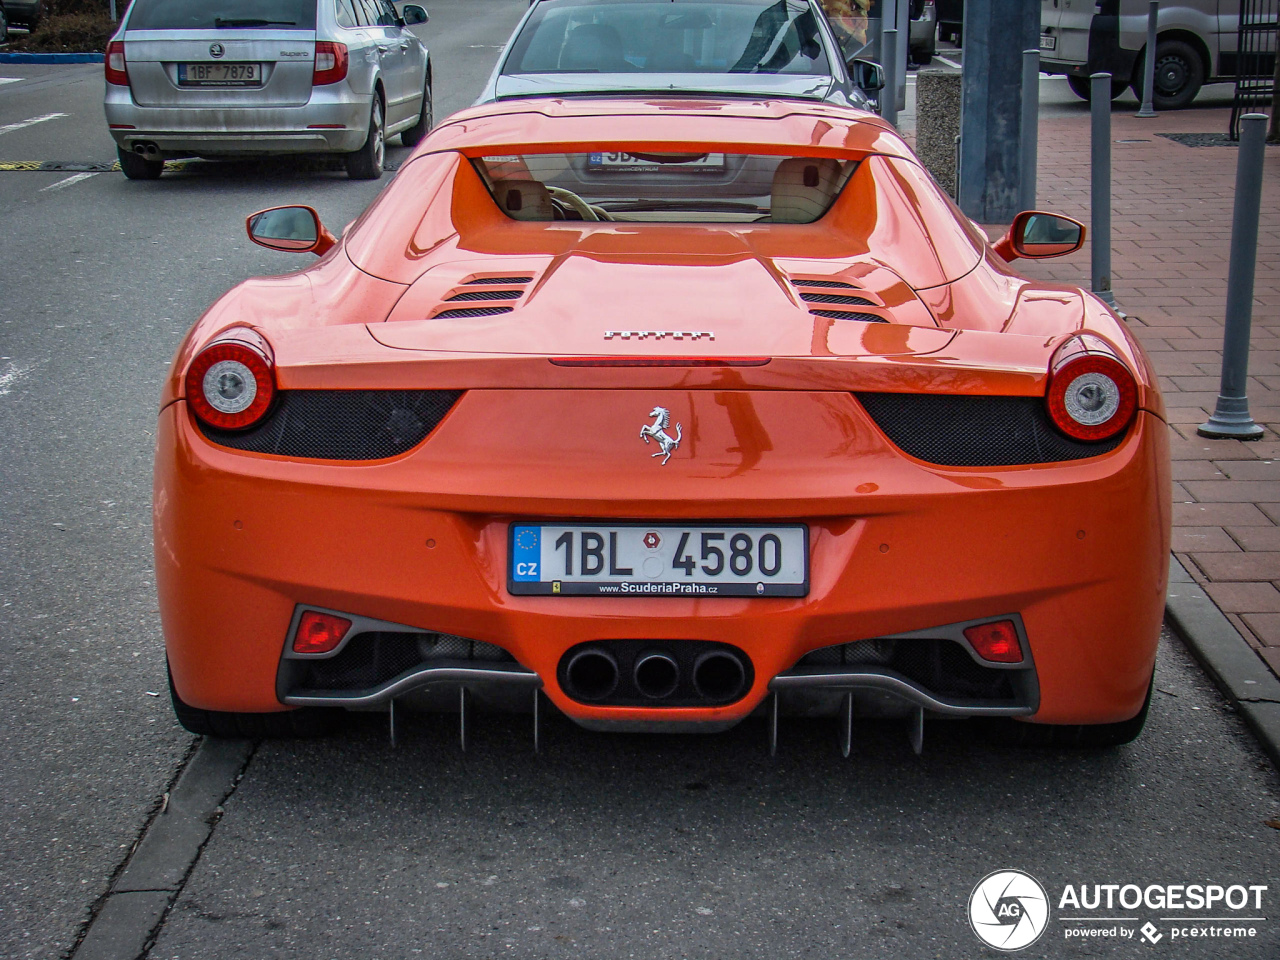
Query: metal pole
{"points": [[903, 25], [113, 11], [889, 63], [1231, 415], [1030, 125], [1149, 63], [1100, 184]]}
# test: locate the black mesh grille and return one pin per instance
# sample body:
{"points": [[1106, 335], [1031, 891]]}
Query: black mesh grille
{"points": [[845, 315], [943, 667], [370, 660], [835, 298], [342, 424], [472, 312], [487, 295], [958, 431], [839, 284], [488, 280]]}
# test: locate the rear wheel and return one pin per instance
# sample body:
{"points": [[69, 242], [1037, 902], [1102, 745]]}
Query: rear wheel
{"points": [[287, 725], [413, 136], [366, 163], [1081, 86], [1179, 75], [137, 167], [1088, 736]]}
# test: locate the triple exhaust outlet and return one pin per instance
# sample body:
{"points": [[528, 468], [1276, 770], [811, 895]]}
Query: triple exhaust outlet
{"points": [[654, 676]]}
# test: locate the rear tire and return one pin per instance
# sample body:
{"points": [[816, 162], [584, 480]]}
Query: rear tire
{"points": [[1086, 736], [1081, 87], [1179, 75], [137, 167], [287, 725], [366, 163], [413, 136]]}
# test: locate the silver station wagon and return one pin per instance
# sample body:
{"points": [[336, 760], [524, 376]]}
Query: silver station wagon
{"points": [[241, 78]]}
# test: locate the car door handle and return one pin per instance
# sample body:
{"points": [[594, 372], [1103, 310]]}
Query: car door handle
{"points": [[404, 44]]}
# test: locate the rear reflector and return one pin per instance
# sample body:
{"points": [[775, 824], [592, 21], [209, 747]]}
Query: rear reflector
{"points": [[996, 642], [319, 632], [325, 126], [659, 361]]}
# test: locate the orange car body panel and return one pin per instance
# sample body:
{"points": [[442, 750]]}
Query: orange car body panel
{"points": [[1079, 549]]}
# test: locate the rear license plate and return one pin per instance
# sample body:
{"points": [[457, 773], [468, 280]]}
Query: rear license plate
{"points": [[220, 74], [1047, 42], [634, 164], [610, 559]]}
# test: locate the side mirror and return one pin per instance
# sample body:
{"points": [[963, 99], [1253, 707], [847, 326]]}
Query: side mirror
{"points": [[295, 229], [1037, 236], [412, 14], [867, 74]]}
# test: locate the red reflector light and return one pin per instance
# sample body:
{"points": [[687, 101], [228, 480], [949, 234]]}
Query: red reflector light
{"points": [[331, 63], [325, 126], [659, 361], [114, 63], [996, 642], [319, 632], [1092, 395]]}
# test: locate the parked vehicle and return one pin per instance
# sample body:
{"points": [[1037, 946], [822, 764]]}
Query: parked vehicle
{"points": [[236, 78], [747, 48], [924, 32], [951, 20], [23, 13], [666, 410], [1195, 44]]}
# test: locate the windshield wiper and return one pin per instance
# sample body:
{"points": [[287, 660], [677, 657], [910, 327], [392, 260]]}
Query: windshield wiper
{"points": [[219, 23]]}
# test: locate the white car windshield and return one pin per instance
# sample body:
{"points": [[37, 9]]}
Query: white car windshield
{"points": [[670, 36]]}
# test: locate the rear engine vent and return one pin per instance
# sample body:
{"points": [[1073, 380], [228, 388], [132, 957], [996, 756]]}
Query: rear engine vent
{"points": [[845, 315], [371, 660], [341, 424], [808, 297], [943, 667], [834, 284], [487, 295], [471, 312], [964, 431], [479, 281]]}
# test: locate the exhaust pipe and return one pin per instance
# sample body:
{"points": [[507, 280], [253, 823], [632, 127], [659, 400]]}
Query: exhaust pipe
{"points": [[592, 674], [656, 675], [719, 677], [148, 150]]}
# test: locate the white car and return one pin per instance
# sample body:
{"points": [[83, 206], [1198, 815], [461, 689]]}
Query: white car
{"points": [[236, 78]]}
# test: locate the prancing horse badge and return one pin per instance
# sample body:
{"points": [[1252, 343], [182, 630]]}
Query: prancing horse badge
{"points": [[658, 431]]}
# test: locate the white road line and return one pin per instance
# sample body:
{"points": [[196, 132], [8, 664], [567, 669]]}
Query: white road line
{"points": [[949, 63], [4, 80], [30, 123], [70, 181]]}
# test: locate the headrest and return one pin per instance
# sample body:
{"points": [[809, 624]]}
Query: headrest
{"points": [[524, 199], [803, 189], [593, 47]]}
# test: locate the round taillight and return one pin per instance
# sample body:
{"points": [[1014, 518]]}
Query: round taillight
{"points": [[1092, 397], [230, 385]]}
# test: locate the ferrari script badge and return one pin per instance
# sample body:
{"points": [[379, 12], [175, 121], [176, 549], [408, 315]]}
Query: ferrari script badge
{"points": [[658, 431]]}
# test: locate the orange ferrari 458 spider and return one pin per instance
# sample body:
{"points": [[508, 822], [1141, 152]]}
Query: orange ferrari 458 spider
{"points": [[665, 412]]}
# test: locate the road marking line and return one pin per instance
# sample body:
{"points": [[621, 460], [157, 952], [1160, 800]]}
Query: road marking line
{"points": [[949, 63], [70, 181], [30, 123], [4, 80]]}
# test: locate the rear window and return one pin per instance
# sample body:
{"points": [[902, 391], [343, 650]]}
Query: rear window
{"points": [[664, 187], [684, 36], [222, 14]]}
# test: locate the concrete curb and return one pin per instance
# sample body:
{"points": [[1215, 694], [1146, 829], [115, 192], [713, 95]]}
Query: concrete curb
{"points": [[163, 858], [1226, 657], [51, 57]]}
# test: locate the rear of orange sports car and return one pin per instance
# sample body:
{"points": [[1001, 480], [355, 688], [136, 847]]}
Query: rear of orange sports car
{"points": [[667, 412]]}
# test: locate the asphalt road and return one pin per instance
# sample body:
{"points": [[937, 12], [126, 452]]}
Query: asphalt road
{"points": [[603, 846]]}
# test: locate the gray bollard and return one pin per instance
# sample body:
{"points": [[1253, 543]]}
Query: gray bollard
{"points": [[1149, 64], [1100, 185], [889, 63], [1030, 127], [1231, 418]]}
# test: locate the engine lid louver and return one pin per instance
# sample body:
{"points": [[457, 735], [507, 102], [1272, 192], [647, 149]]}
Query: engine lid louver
{"points": [[821, 296], [499, 297]]}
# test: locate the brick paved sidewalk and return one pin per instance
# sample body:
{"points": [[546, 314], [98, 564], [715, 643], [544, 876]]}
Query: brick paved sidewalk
{"points": [[1171, 222]]}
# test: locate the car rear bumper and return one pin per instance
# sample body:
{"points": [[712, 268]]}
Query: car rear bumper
{"points": [[335, 121], [1078, 552]]}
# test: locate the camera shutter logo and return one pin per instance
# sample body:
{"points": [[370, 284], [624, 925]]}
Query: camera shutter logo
{"points": [[1009, 910]]}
